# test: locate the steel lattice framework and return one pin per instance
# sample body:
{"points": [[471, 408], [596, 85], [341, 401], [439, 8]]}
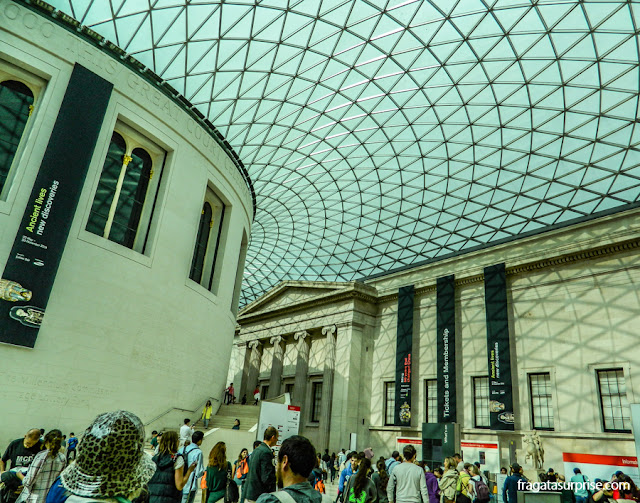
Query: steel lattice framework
{"points": [[381, 133]]}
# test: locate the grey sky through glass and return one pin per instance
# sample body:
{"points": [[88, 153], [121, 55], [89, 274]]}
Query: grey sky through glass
{"points": [[383, 133]]}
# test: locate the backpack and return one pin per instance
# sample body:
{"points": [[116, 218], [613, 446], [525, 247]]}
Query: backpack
{"points": [[319, 486], [352, 496], [482, 491]]}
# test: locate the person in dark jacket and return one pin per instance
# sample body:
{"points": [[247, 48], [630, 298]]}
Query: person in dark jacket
{"points": [[262, 472], [170, 477], [512, 484], [296, 459]]}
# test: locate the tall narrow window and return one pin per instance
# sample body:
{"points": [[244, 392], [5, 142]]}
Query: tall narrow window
{"points": [[616, 415], [204, 229], [481, 402], [541, 405], [316, 401], [389, 403], [431, 402], [205, 263], [16, 103], [122, 207], [239, 273]]}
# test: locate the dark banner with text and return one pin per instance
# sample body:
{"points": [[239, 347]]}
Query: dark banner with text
{"points": [[28, 276], [500, 393], [404, 356], [446, 349]]}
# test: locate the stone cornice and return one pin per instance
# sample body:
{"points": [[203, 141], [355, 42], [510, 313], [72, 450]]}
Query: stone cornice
{"points": [[351, 294], [568, 258]]}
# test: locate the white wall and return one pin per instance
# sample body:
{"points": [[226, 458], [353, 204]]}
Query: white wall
{"points": [[122, 329]]}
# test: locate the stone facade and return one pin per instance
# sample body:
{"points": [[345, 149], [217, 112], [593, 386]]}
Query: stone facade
{"points": [[573, 307], [123, 328]]}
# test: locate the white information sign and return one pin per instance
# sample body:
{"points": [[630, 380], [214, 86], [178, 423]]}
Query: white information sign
{"points": [[284, 418], [486, 453], [402, 442]]}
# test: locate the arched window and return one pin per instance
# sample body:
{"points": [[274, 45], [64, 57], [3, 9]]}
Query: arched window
{"points": [[204, 229], [205, 266], [121, 209], [16, 103]]}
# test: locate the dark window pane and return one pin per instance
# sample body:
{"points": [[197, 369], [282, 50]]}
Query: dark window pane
{"points": [[541, 403], [15, 100], [616, 416], [316, 400], [132, 196], [197, 264], [106, 186], [389, 403]]}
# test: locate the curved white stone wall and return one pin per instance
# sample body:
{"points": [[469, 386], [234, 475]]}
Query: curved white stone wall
{"points": [[123, 329]]}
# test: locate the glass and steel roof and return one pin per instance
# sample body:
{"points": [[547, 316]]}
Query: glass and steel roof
{"points": [[382, 133]]}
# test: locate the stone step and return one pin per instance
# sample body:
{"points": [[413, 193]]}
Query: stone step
{"points": [[238, 411]]}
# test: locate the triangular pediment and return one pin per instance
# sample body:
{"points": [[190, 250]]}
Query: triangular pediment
{"points": [[290, 293]]}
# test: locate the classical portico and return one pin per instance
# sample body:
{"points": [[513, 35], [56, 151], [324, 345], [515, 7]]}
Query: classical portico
{"points": [[305, 338]]}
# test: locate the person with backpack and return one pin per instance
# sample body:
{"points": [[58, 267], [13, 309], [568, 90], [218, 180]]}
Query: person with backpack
{"points": [[171, 475], [191, 453], [360, 488], [381, 480], [478, 488], [350, 465], [296, 459], [241, 469], [462, 487], [316, 477], [580, 483], [449, 481]]}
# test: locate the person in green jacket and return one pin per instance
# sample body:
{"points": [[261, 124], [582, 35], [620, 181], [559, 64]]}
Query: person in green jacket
{"points": [[217, 473]]}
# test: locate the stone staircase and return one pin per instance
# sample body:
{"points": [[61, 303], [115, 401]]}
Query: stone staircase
{"points": [[227, 414]]}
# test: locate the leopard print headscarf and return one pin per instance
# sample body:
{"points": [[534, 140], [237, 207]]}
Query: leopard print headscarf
{"points": [[110, 458]]}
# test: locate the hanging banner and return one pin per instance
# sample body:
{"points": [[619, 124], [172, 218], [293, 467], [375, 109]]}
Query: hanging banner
{"points": [[446, 349], [500, 394], [403, 356], [25, 284]]}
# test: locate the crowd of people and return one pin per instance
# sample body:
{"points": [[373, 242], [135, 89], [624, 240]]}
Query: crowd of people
{"points": [[110, 464], [230, 397]]}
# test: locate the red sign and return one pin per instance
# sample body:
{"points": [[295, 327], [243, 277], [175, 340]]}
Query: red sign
{"points": [[476, 445], [598, 459], [293, 407]]}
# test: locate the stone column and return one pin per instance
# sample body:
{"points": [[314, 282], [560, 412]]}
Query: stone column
{"points": [[327, 387], [302, 367], [347, 385], [243, 374], [254, 366], [275, 379]]}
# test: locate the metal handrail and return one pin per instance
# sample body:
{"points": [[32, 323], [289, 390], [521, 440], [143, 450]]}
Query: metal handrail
{"points": [[181, 409]]}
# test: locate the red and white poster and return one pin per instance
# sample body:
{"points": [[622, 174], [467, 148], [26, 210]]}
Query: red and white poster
{"points": [[402, 442], [486, 453], [598, 466]]}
